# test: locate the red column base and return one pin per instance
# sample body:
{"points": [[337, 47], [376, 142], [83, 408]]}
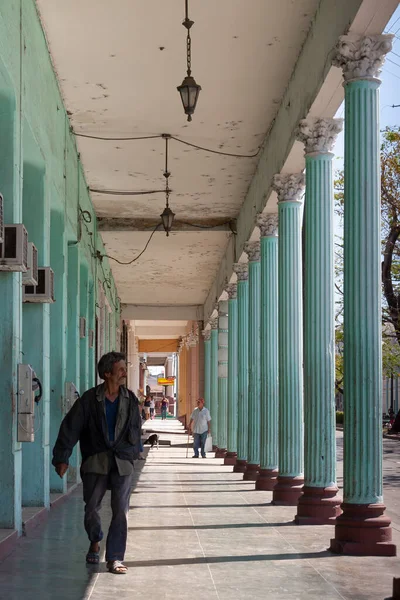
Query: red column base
{"points": [[287, 490], [363, 530], [318, 506], [230, 458], [266, 479], [251, 472], [240, 466], [220, 453], [396, 588], [214, 448]]}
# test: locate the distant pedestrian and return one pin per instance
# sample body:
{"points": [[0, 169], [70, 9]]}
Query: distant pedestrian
{"points": [[201, 420], [146, 407], [152, 407], [164, 404]]}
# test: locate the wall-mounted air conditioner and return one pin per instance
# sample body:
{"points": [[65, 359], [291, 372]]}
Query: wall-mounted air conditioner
{"points": [[71, 395], [1, 219], [14, 249], [44, 290], [31, 275], [82, 327]]}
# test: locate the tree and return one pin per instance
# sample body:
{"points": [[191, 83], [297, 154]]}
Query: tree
{"points": [[390, 214], [390, 192]]}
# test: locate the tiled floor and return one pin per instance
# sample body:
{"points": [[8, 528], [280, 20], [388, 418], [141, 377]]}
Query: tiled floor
{"points": [[197, 531]]}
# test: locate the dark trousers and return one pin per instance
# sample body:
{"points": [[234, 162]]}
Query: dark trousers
{"points": [[94, 488], [199, 440]]}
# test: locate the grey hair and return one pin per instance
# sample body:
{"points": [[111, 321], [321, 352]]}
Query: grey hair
{"points": [[107, 362]]}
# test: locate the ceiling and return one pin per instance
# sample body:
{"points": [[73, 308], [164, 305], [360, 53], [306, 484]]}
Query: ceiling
{"points": [[118, 64]]}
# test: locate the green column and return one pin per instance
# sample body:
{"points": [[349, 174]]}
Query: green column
{"points": [[363, 527], [214, 381], [252, 250], [241, 270], [231, 454], [268, 225], [222, 378], [290, 479], [207, 366], [320, 502]]}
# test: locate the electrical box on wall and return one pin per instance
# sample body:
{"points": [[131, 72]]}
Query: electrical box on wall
{"points": [[44, 290], [91, 338], [27, 386], [1, 219], [14, 249], [82, 327], [71, 395], [31, 275]]}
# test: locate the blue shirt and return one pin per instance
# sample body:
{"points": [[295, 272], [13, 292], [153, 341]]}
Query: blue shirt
{"points": [[111, 417]]}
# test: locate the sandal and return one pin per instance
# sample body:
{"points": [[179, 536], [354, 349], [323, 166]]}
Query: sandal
{"points": [[92, 558], [116, 567]]}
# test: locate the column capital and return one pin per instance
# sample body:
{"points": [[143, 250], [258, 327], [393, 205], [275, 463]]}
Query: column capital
{"points": [[241, 270], [289, 187], [361, 57], [318, 135], [252, 250], [231, 288], [206, 333], [268, 224], [214, 323]]}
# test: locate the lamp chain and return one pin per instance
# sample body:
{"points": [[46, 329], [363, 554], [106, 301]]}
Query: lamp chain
{"points": [[166, 172], [188, 53], [187, 23]]}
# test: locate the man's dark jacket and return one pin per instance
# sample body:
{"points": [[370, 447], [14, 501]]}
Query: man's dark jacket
{"points": [[86, 423]]}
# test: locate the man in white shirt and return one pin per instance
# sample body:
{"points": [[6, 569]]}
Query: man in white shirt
{"points": [[201, 420]]}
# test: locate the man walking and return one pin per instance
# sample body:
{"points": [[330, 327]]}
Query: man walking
{"points": [[201, 420], [106, 422]]}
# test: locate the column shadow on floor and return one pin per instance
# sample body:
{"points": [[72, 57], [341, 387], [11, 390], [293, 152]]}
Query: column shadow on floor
{"points": [[168, 506], [169, 562], [219, 526]]}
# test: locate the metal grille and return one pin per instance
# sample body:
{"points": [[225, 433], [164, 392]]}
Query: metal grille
{"points": [[51, 282], [25, 246], [34, 263], [1, 218]]}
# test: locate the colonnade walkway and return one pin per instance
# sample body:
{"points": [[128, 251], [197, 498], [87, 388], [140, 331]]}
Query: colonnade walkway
{"points": [[198, 531]]}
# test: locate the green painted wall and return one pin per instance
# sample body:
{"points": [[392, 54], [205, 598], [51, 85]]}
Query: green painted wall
{"points": [[43, 184]]}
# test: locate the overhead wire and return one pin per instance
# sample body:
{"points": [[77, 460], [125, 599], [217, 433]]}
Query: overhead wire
{"points": [[120, 262], [125, 192], [172, 137]]}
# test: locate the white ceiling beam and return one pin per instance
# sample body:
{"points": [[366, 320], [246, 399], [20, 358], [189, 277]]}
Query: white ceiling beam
{"points": [[139, 312], [313, 66], [156, 332]]}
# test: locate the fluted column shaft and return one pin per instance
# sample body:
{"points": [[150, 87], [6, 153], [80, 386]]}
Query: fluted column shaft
{"points": [[362, 297], [222, 378], [253, 455], [232, 376], [290, 341], [269, 361], [243, 373], [362, 528], [207, 370], [290, 480], [319, 330], [319, 503], [214, 385]]}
